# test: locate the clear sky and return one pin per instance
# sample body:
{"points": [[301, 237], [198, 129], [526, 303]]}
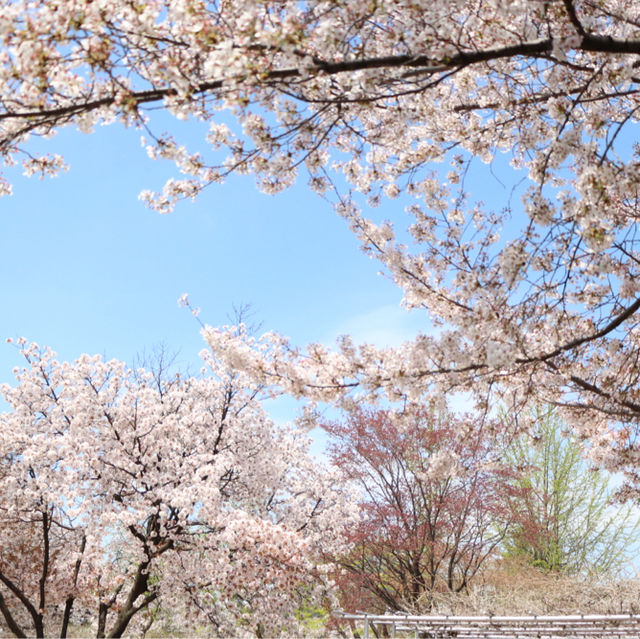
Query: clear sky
{"points": [[86, 267]]}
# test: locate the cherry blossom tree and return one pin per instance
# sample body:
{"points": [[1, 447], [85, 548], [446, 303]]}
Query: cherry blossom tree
{"points": [[122, 494], [435, 505], [376, 92]]}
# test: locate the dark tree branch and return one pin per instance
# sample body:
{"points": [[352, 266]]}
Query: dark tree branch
{"points": [[537, 48], [42, 583], [8, 617], [103, 610], [24, 600], [579, 341], [68, 605], [139, 587], [575, 21]]}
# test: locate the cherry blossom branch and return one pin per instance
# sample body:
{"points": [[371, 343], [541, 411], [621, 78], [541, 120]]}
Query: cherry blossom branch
{"points": [[103, 610], [128, 610], [9, 618], [46, 527], [37, 621], [589, 42], [579, 341], [594, 389], [571, 11], [68, 604]]}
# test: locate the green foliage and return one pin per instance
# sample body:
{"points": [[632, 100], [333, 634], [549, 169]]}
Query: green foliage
{"points": [[566, 519], [313, 618]]}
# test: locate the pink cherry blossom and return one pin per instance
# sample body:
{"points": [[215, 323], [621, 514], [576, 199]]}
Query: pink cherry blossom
{"points": [[392, 99], [125, 496]]}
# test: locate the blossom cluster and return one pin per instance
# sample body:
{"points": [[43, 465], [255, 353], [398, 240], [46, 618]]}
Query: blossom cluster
{"points": [[396, 100], [123, 493]]}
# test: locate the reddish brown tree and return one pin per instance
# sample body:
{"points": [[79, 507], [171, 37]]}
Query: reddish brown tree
{"points": [[434, 505]]}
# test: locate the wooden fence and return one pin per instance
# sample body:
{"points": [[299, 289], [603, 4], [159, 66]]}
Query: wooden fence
{"points": [[620, 626]]}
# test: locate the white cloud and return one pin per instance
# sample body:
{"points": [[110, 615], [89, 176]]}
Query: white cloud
{"points": [[388, 325]]}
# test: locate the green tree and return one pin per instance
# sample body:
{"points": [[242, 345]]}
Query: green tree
{"points": [[567, 518]]}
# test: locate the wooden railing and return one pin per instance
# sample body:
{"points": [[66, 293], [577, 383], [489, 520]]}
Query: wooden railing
{"points": [[495, 627]]}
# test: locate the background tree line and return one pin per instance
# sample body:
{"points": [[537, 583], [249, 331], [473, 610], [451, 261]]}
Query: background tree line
{"points": [[444, 501], [135, 500]]}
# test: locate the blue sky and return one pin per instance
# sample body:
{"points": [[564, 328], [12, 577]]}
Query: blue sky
{"points": [[88, 268]]}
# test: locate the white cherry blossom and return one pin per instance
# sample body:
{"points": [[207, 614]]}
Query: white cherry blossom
{"points": [[395, 99], [124, 495]]}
